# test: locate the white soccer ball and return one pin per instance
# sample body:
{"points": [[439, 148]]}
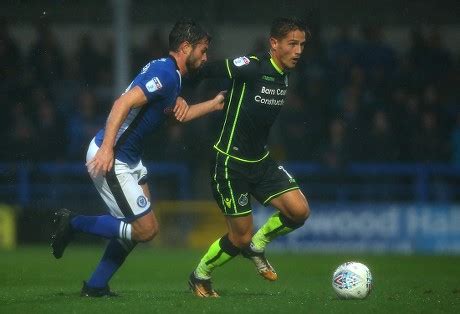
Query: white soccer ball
{"points": [[352, 280]]}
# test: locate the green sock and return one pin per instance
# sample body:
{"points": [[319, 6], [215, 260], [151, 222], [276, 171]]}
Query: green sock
{"points": [[219, 253], [277, 225]]}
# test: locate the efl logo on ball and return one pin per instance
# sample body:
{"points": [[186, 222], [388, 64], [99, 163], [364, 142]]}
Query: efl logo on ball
{"points": [[352, 280]]}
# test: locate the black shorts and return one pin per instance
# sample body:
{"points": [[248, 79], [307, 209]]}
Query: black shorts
{"points": [[233, 182]]}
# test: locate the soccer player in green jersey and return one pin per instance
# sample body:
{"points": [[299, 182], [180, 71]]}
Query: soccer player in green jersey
{"points": [[243, 166]]}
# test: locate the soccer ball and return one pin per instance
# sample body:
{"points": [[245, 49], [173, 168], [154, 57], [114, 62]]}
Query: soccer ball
{"points": [[352, 280]]}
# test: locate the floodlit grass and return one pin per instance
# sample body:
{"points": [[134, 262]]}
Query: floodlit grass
{"points": [[155, 281]]}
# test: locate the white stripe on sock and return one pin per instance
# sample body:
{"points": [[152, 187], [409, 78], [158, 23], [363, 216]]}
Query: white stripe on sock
{"points": [[128, 232], [120, 231], [125, 231]]}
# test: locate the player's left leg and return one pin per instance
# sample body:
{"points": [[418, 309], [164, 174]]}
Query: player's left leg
{"points": [[293, 212], [276, 187], [115, 254]]}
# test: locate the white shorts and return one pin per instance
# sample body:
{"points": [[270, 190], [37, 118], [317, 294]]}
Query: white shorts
{"points": [[121, 188]]}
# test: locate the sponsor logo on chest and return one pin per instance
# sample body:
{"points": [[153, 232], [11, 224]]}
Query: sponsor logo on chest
{"points": [[270, 96]]}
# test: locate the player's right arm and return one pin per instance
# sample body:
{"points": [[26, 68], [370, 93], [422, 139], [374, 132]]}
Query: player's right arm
{"points": [[201, 109], [102, 162]]}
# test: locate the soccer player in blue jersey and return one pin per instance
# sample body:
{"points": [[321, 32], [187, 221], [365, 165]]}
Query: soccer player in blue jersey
{"points": [[114, 155]]}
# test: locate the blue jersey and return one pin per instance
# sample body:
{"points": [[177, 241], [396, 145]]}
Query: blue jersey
{"points": [[160, 81]]}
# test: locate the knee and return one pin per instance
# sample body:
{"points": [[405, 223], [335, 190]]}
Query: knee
{"points": [[146, 232], [300, 213], [240, 240]]}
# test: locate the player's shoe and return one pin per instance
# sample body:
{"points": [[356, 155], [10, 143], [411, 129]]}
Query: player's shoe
{"points": [[63, 234], [91, 292], [262, 265], [201, 288]]}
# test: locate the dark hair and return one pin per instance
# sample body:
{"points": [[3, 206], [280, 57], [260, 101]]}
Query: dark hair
{"points": [[283, 25], [186, 30]]}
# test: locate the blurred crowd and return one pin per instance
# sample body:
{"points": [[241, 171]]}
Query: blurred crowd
{"points": [[354, 99]]}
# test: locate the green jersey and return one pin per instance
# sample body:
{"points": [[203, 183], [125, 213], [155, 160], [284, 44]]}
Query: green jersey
{"points": [[257, 94]]}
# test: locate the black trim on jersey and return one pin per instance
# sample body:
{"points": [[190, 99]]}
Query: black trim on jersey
{"points": [[131, 127], [143, 180], [120, 198], [175, 62]]}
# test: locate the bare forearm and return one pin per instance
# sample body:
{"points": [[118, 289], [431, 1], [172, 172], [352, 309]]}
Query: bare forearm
{"points": [[116, 117], [201, 109]]}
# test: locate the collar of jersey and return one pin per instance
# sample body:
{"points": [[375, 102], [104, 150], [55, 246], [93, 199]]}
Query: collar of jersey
{"points": [[177, 70], [277, 68], [175, 62]]}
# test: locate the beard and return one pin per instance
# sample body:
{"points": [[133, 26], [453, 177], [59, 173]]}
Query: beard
{"points": [[190, 64]]}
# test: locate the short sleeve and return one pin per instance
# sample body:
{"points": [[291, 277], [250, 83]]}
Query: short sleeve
{"points": [[155, 84], [242, 67]]}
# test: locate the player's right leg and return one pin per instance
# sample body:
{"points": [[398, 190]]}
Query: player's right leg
{"points": [[220, 252], [124, 191], [230, 190]]}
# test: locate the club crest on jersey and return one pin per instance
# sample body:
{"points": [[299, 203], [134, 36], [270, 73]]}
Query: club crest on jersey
{"points": [[241, 61], [141, 201], [154, 84]]}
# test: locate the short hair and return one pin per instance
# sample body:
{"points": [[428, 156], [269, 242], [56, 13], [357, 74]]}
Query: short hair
{"points": [[188, 30], [283, 25]]}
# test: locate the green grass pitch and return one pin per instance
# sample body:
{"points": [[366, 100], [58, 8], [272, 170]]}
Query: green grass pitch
{"points": [[155, 281]]}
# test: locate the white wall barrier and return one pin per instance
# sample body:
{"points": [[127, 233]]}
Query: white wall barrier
{"points": [[402, 228]]}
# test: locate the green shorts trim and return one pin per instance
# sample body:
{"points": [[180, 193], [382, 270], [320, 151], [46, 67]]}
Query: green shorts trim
{"points": [[241, 159], [249, 212], [279, 193]]}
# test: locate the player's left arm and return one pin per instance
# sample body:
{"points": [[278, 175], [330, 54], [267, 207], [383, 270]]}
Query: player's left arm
{"points": [[244, 67], [198, 110]]}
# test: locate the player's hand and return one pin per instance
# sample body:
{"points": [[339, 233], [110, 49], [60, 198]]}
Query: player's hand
{"points": [[101, 163], [180, 109], [220, 100]]}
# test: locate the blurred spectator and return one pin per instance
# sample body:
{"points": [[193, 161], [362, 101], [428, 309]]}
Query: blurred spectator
{"points": [[438, 60], [45, 59], [154, 47], [455, 142], [21, 137], [104, 75], [51, 141], [65, 91], [380, 146], [10, 73], [377, 58], [83, 125], [409, 127], [313, 64], [342, 54], [10, 64], [296, 130], [335, 152], [260, 46], [427, 143], [88, 60]]}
